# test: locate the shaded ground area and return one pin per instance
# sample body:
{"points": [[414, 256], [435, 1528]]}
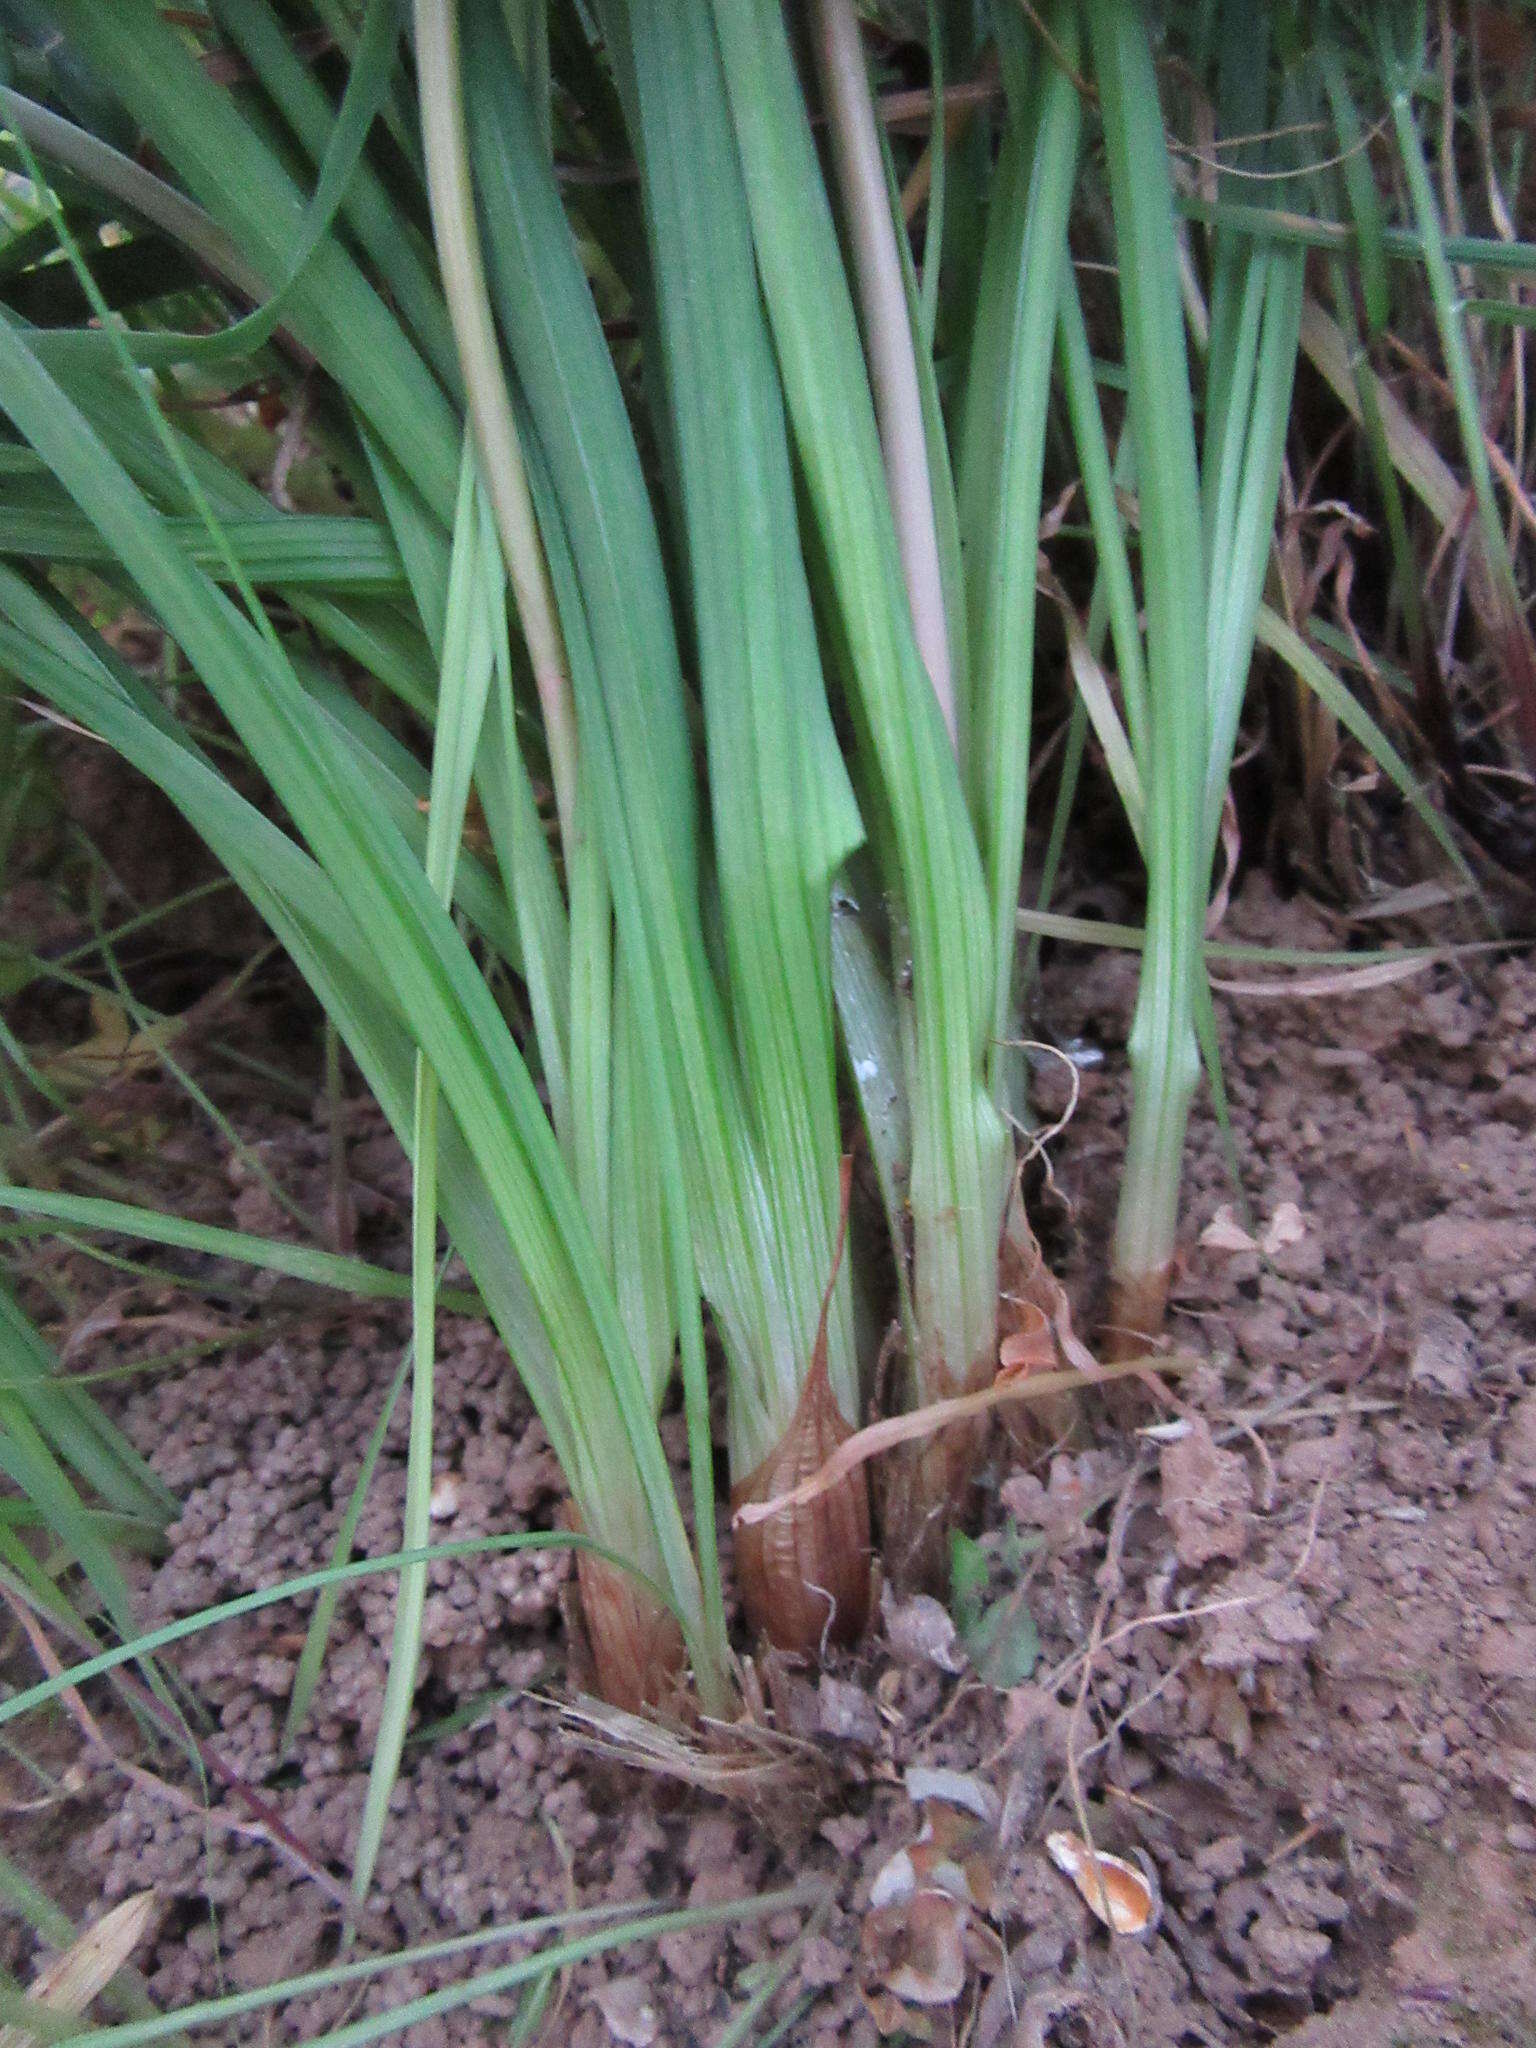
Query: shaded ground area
{"points": [[1287, 1648]]}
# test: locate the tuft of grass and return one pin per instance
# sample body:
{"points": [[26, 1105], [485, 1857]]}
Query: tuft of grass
{"points": [[666, 511]]}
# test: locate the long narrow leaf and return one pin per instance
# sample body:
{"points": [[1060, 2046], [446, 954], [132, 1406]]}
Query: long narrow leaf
{"points": [[958, 1180], [460, 1029], [1002, 451]]}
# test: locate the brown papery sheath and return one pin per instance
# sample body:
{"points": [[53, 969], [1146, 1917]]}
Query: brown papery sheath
{"points": [[804, 1574], [637, 1648], [1138, 1308]]}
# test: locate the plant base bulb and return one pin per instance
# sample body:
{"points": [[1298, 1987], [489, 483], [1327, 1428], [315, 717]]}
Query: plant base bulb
{"points": [[1138, 1307], [638, 1655], [926, 1490], [804, 1573]]}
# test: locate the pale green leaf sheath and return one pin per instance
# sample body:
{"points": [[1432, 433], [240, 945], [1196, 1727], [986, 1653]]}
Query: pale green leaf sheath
{"points": [[781, 804], [1002, 449], [1163, 1051], [615, 611], [959, 1144]]}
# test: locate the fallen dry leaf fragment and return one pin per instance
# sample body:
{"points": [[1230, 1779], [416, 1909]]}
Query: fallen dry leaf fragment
{"points": [[1218, 1697], [846, 1713], [1115, 1891], [912, 1944], [950, 1855], [895, 1880], [1030, 1348], [1286, 1226], [86, 1967], [113, 1049], [1225, 1234], [921, 1631], [892, 2017], [915, 1949], [956, 1788]]}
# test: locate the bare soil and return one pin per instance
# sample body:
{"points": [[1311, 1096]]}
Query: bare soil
{"points": [[1287, 1650]]}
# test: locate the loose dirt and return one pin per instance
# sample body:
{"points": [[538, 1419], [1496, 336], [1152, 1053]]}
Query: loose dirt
{"points": [[1286, 1626]]}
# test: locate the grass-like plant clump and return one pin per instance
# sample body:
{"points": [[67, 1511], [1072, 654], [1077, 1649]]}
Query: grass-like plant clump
{"points": [[714, 492]]}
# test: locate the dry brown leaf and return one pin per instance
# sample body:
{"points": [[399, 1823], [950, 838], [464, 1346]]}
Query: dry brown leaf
{"points": [[964, 1789], [113, 1049], [1231, 852], [921, 1631], [914, 1949], [803, 1571], [892, 2017], [1225, 1234], [69, 1983], [1115, 1892], [1286, 1226], [1217, 1696], [1041, 1310], [1339, 981], [912, 1944], [921, 1423], [1030, 1348], [951, 1855]]}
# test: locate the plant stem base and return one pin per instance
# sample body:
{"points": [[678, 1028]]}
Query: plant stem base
{"points": [[926, 1492], [639, 1659], [1138, 1308], [804, 1574]]}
